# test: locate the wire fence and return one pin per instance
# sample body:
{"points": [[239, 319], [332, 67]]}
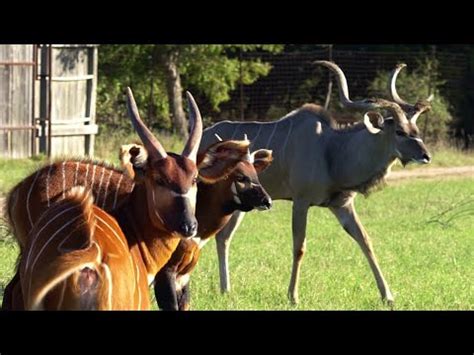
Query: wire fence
{"points": [[295, 80]]}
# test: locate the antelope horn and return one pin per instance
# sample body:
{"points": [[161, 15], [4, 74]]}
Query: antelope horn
{"points": [[152, 145], [195, 120], [366, 104], [392, 89]]}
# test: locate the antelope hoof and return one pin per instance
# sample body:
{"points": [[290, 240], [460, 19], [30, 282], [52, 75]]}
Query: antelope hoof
{"points": [[389, 301], [294, 299]]}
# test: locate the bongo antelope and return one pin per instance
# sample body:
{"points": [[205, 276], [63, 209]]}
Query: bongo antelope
{"points": [[154, 209], [77, 258], [216, 201]]}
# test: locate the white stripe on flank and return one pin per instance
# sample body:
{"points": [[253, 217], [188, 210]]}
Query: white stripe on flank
{"points": [[271, 135], [237, 126], [137, 285], [108, 275], [100, 185], [117, 191], [38, 298], [75, 174], [286, 139], [93, 176], [47, 185], [33, 241], [28, 198], [64, 178], [60, 245], [113, 231], [45, 245], [254, 139], [60, 303], [87, 173], [106, 188]]}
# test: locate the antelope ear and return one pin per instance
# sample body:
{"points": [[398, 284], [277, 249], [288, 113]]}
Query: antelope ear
{"points": [[374, 122], [262, 159], [220, 159], [133, 158]]}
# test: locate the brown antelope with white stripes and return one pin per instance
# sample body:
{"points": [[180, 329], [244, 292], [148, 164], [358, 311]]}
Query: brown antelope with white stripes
{"points": [[152, 184], [216, 201], [154, 210], [317, 164], [77, 258]]}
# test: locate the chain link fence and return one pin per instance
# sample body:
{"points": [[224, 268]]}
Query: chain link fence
{"points": [[295, 80]]}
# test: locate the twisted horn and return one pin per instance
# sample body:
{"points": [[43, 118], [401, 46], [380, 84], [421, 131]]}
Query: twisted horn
{"points": [[366, 104], [418, 108], [195, 120], [152, 145]]}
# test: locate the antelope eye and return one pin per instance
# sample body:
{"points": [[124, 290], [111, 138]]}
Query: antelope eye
{"points": [[240, 178], [160, 182], [400, 133]]}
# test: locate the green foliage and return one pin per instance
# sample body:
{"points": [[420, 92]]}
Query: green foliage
{"points": [[209, 70], [415, 85]]}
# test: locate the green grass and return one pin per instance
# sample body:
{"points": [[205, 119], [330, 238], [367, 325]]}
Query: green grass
{"points": [[428, 261], [422, 232], [12, 171]]}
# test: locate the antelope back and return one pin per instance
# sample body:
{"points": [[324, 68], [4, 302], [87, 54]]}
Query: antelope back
{"points": [[78, 258], [32, 196]]}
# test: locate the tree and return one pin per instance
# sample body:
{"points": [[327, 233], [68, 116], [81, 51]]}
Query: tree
{"points": [[159, 72]]}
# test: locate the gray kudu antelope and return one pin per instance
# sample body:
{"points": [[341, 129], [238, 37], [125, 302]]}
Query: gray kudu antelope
{"points": [[316, 164]]}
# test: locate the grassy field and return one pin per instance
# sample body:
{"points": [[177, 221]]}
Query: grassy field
{"points": [[423, 235], [422, 231]]}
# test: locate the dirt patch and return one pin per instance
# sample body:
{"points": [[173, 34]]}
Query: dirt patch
{"points": [[427, 173]]}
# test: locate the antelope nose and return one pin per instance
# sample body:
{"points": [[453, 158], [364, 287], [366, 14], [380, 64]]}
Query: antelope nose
{"points": [[189, 229], [266, 203], [426, 158]]}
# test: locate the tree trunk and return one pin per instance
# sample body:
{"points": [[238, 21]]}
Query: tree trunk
{"points": [[169, 60]]}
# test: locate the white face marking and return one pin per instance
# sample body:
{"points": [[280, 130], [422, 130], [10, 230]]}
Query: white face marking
{"points": [[191, 195], [150, 278], [416, 139]]}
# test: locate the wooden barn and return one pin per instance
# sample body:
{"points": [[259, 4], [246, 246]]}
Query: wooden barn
{"points": [[47, 100]]}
